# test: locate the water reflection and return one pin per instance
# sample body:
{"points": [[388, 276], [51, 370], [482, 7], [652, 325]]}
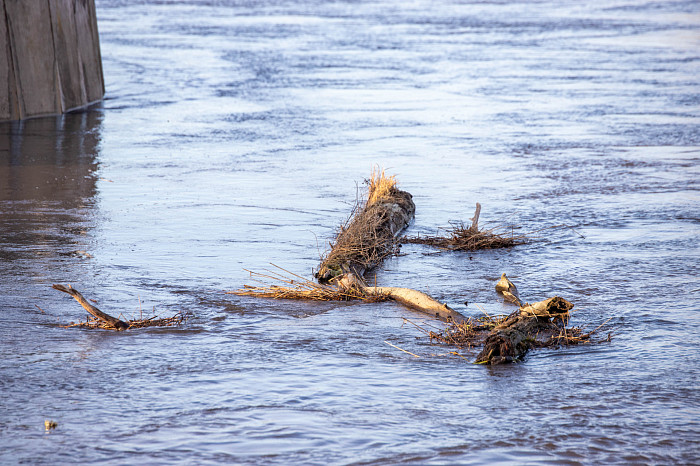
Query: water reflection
{"points": [[47, 183]]}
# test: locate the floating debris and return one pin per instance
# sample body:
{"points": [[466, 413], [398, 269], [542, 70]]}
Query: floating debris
{"points": [[298, 287], [369, 234], [462, 238], [507, 338], [99, 319], [347, 289]]}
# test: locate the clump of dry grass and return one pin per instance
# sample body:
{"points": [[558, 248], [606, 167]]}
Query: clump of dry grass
{"points": [[462, 238], [572, 336], [473, 332], [298, 287], [467, 334], [381, 186]]}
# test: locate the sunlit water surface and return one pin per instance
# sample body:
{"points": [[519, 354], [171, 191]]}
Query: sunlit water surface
{"points": [[235, 134]]}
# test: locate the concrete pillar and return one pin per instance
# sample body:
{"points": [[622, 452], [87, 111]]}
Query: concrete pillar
{"points": [[50, 59]]}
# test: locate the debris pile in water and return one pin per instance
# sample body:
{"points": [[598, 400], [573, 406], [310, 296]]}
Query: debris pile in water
{"points": [[460, 237], [369, 234], [507, 338], [99, 319], [363, 242]]}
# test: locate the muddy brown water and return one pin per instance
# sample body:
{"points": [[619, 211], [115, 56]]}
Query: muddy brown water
{"points": [[234, 134]]}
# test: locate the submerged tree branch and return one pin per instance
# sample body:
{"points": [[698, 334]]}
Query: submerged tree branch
{"points": [[107, 322], [106, 318]]}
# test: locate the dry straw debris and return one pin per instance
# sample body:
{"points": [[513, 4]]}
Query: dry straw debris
{"points": [[459, 237], [293, 286], [469, 238], [474, 332], [381, 187], [467, 334], [154, 321]]}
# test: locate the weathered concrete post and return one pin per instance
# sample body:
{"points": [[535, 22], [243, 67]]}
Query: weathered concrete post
{"points": [[50, 59]]}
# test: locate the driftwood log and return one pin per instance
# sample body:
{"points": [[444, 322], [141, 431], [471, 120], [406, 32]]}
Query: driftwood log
{"points": [[533, 323], [368, 238], [419, 301], [411, 298], [107, 322], [370, 234]]}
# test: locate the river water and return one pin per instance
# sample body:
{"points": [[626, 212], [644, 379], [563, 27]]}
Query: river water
{"points": [[235, 134]]}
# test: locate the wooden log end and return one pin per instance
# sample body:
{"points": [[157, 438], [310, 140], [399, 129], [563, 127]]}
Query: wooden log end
{"points": [[552, 307]]}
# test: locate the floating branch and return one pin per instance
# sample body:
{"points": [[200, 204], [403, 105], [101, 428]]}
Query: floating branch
{"points": [[365, 240], [469, 238], [347, 289], [105, 321]]}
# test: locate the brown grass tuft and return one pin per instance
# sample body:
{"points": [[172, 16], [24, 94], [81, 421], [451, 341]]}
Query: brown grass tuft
{"points": [[467, 334], [297, 287], [380, 186], [462, 238]]}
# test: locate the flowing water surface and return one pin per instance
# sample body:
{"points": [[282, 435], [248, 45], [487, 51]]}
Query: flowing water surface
{"points": [[235, 134]]}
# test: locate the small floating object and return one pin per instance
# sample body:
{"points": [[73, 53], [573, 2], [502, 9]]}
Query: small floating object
{"points": [[49, 424], [508, 290]]}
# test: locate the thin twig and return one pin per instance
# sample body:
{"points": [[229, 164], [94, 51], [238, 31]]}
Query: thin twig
{"points": [[483, 310], [400, 349], [598, 327]]}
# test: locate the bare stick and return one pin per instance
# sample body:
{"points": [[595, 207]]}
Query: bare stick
{"points": [[419, 301], [401, 349], [475, 219], [598, 327], [116, 323]]}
